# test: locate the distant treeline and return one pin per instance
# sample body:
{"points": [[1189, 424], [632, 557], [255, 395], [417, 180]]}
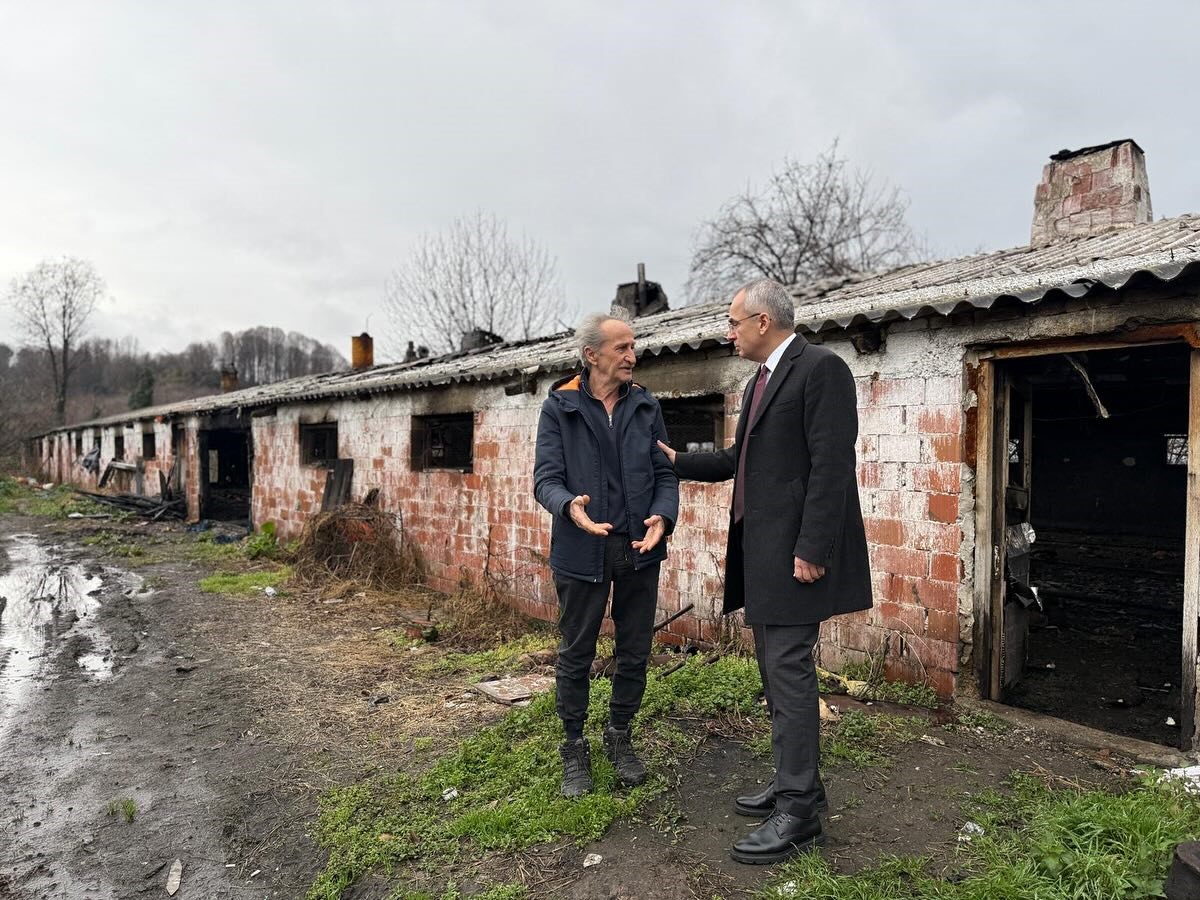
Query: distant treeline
{"points": [[111, 376]]}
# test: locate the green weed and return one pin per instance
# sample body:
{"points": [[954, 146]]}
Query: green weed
{"points": [[879, 688], [1037, 841], [499, 789], [111, 543], [863, 741], [56, 503], [502, 659], [125, 808], [979, 718], [243, 583]]}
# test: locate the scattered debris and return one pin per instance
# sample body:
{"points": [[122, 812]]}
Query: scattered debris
{"points": [[932, 741], [270, 591], [969, 832], [684, 610], [514, 689], [592, 859], [1189, 775], [149, 507], [829, 713], [449, 794], [174, 877]]}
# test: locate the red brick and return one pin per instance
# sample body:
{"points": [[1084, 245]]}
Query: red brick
{"points": [[903, 617], [884, 531], [939, 420], [900, 560], [941, 478], [942, 625], [869, 474], [943, 682], [945, 567], [946, 448], [926, 592], [943, 507]]}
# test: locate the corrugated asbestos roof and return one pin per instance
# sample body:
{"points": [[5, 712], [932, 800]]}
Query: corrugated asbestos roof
{"points": [[1156, 253]]}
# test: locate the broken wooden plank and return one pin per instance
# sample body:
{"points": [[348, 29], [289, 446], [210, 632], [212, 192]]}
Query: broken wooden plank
{"points": [[337, 485]]}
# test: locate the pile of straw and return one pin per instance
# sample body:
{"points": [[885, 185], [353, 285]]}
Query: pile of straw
{"points": [[358, 544]]}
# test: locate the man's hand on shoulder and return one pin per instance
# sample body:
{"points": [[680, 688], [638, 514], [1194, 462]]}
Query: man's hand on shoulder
{"points": [[668, 452], [578, 512], [806, 571], [655, 528]]}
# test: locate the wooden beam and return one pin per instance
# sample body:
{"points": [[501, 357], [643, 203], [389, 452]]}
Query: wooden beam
{"points": [[1191, 567], [1185, 332], [985, 652]]}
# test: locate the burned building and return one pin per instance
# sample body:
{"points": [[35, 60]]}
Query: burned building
{"points": [[1029, 452]]}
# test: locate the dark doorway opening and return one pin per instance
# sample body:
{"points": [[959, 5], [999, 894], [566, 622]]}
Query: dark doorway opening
{"points": [[1094, 496], [225, 475]]}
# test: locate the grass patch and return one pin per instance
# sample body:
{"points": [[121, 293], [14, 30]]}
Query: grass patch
{"points": [[499, 790], [260, 545], [244, 583], [111, 543], [1052, 843], [978, 719], [862, 740], [502, 659], [56, 503], [124, 808], [879, 688]]}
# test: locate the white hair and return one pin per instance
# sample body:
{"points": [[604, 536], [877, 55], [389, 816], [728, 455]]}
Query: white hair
{"points": [[589, 333]]}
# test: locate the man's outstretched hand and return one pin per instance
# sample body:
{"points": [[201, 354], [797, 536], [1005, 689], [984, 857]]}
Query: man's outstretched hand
{"points": [[667, 451], [579, 516], [655, 528]]}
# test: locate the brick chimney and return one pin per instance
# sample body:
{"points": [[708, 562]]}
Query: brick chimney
{"points": [[362, 351], [1091, 191], [229, 379]]}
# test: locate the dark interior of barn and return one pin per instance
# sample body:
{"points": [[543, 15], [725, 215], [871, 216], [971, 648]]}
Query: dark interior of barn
{"points": [[1105, 462], [226, 470]]}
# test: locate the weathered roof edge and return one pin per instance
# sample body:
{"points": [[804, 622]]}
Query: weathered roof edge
{"points": [[701, 326]]}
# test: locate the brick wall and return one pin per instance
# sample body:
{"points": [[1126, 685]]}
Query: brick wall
{"points": [[487, 520]]}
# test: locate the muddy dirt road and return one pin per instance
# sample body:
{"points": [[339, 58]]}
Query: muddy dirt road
{"points": [[216, 721], [113, 690]]}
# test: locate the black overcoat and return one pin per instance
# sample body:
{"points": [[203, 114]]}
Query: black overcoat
{"points": [[801, 494]]}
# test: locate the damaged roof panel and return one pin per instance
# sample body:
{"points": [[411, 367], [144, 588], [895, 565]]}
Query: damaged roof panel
{"points": [[1159, 251]]}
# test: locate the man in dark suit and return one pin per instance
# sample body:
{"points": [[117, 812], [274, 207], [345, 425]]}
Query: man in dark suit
{"points": [[797, 550]]}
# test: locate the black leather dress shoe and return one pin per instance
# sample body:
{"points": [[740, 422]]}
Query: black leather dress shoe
{"points": [[780, 837], [762, 804]]}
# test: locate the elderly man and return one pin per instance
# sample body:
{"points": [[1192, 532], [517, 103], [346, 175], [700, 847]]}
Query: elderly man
{"points": [[797, 551], [614, 498]]}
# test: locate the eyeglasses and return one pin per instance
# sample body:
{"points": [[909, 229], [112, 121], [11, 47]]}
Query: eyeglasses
{"points": [[734, 323]]}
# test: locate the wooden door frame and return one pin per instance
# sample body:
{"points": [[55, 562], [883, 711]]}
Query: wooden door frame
{"points": [[987, 586]]}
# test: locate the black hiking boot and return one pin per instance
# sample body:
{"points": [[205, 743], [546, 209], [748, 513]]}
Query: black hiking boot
{"points": [[577, 767], [618, 747]]}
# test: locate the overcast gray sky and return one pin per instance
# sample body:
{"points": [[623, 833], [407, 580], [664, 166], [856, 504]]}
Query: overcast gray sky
{"points": [[233, 164]]}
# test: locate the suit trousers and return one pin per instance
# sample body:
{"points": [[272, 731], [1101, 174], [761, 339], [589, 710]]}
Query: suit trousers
{"points": [[581, 607], [789, 678]]}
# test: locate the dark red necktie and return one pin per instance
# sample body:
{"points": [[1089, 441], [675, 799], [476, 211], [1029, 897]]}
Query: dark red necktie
{"points": [[739, 482]]}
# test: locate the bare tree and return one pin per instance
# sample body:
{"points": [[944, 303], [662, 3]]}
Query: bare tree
{"points": [[472, 276], [52, 304], [810, 220]]}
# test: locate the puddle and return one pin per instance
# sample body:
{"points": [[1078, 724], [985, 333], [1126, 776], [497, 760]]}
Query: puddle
{"points": [[44, 599]]}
